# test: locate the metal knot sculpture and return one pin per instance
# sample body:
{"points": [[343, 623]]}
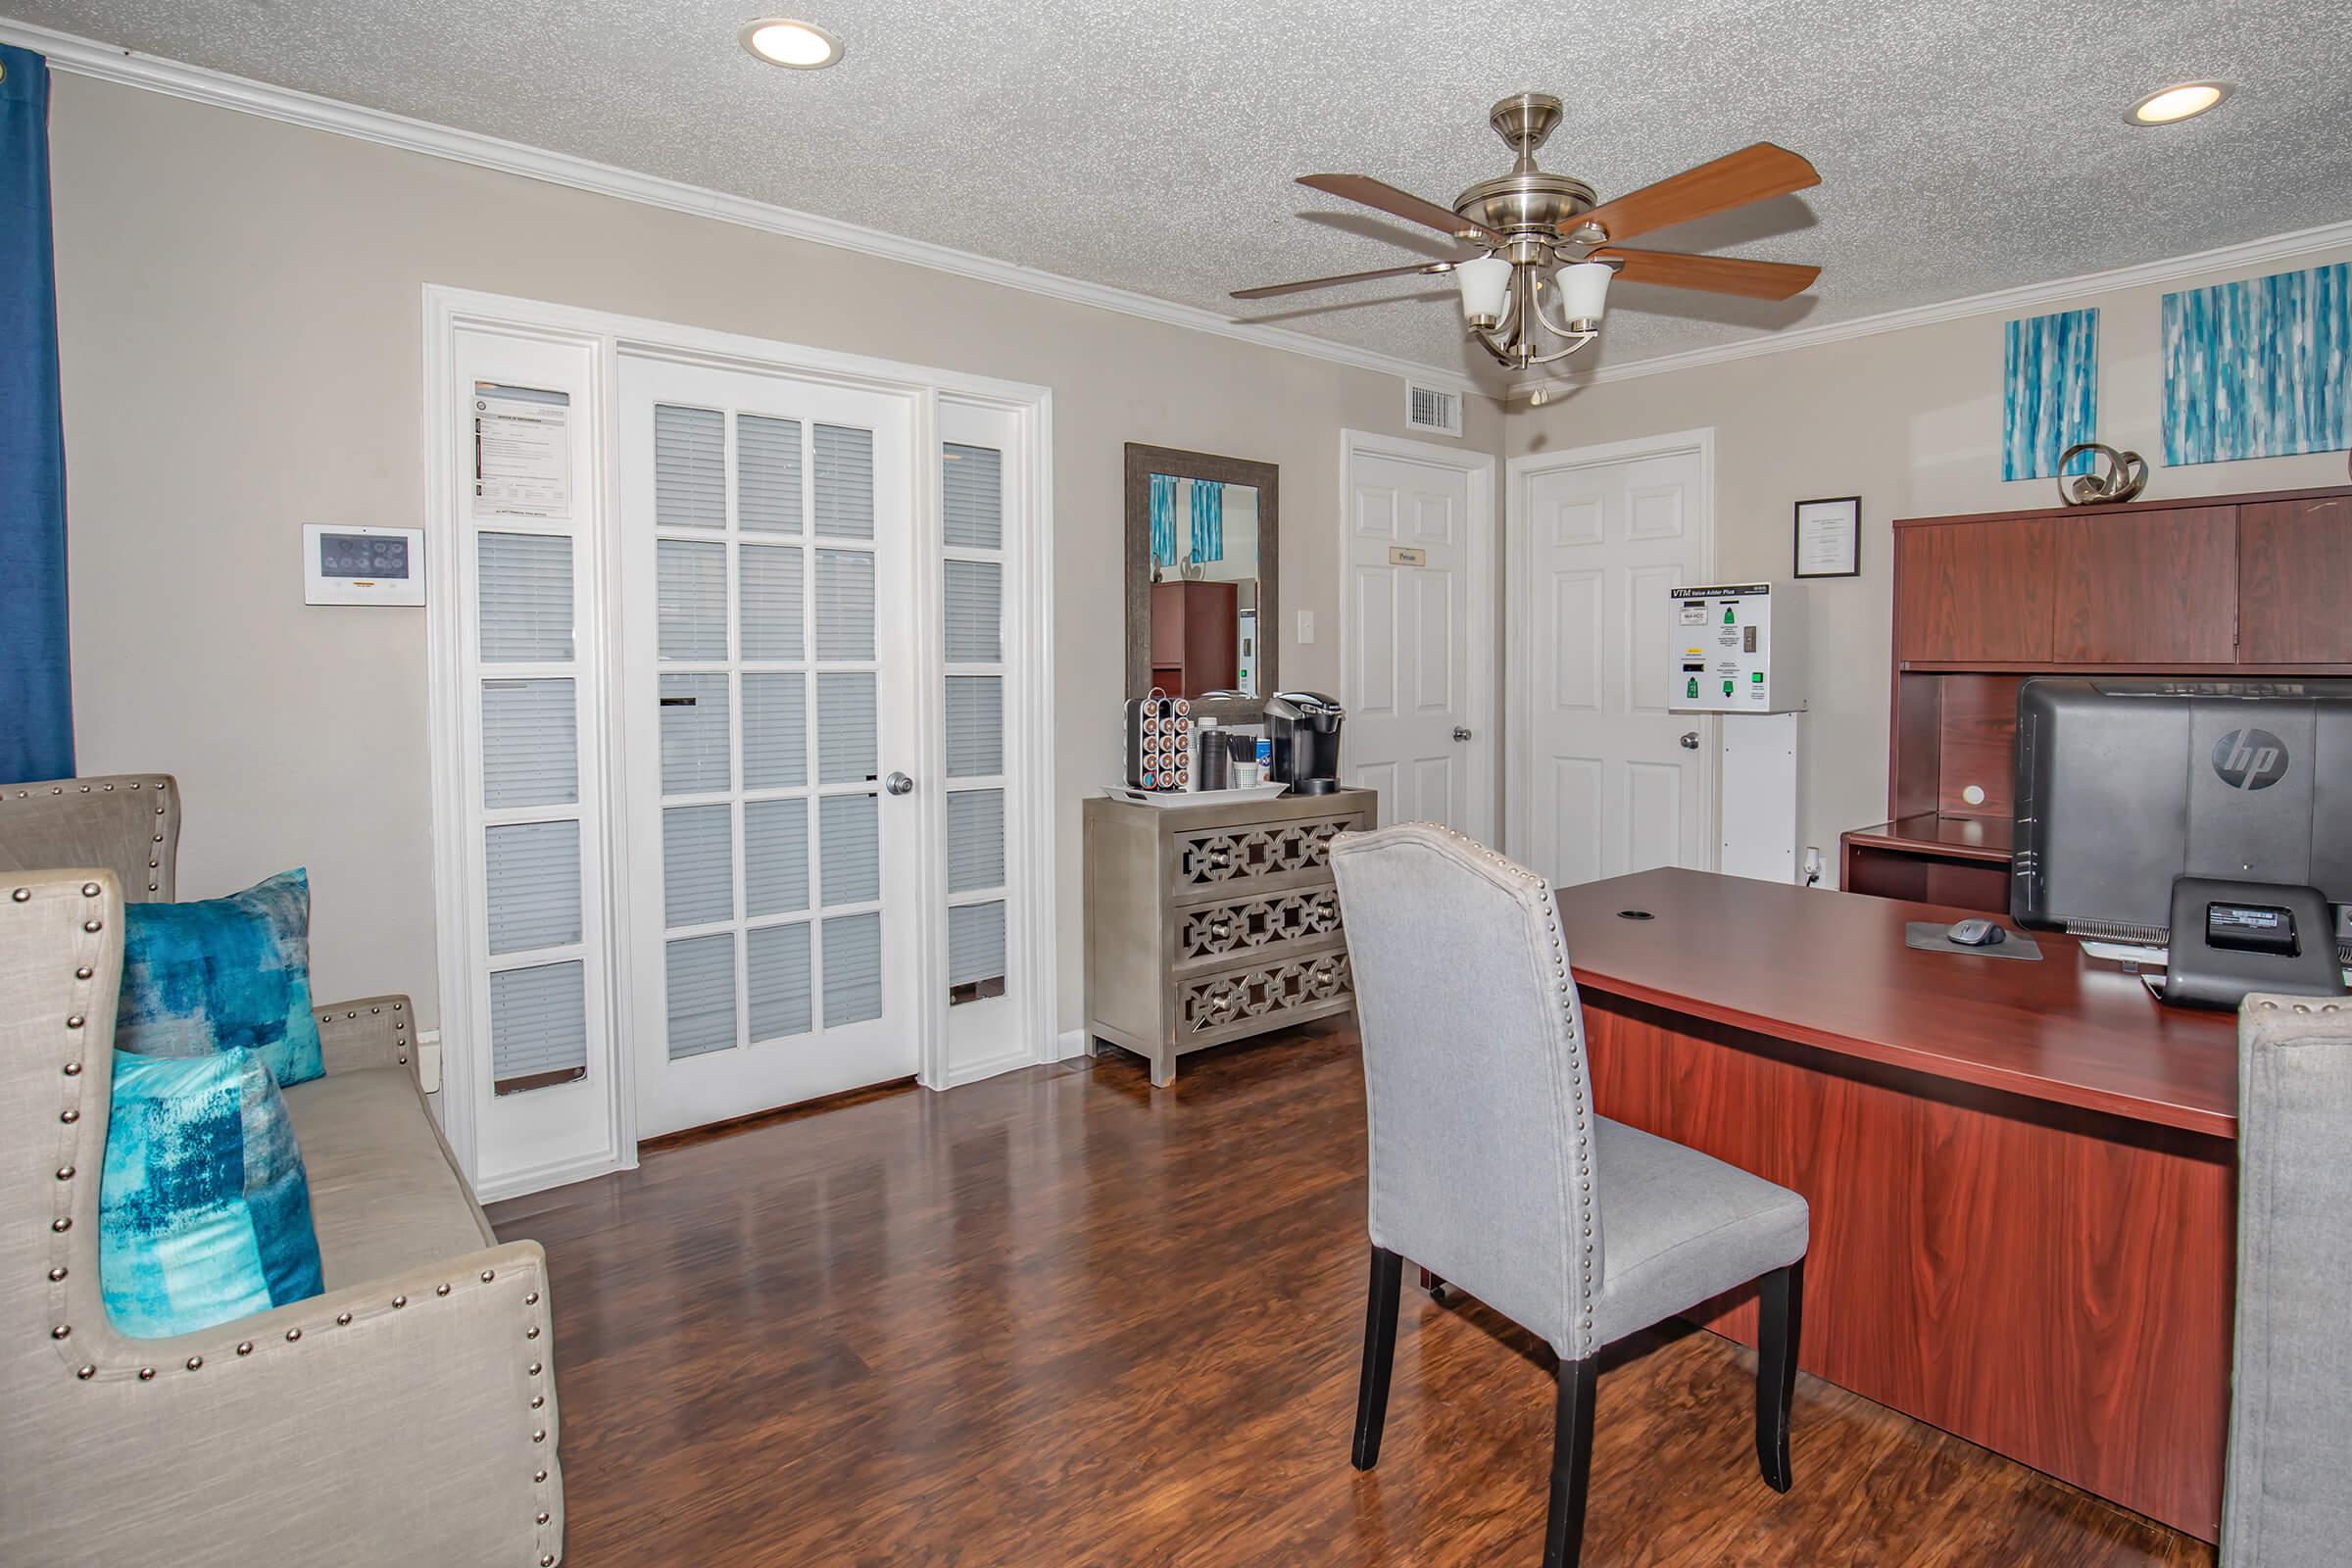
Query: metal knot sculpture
{"points": [[2116, 476]]}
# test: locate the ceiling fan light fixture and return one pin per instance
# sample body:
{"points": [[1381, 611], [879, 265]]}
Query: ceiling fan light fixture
{"points": [[1485, 284], [1585, 293], [2171, 105], [793, 45]]}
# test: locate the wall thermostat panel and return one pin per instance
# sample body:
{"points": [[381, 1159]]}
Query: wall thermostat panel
{"points": [[351, 565], [1736, 648]]}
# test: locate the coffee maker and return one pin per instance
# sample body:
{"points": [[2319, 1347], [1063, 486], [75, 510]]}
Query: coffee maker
{"points": [[1304, 731]]}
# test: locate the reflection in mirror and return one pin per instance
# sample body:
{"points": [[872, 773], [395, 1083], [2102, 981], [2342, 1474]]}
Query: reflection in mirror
{"points": [[1204, 586]]}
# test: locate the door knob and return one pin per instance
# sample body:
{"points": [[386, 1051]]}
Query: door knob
{"points": [[898, 784], [1461, 732], [1689, 740]]}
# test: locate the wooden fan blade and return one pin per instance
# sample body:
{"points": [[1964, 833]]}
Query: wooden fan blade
{"points": [[1271, 289], [1736, 180], [1717, 274], [1398, 204]]}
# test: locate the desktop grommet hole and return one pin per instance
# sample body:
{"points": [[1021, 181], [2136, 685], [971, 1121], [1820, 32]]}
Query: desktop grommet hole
{"points": [[1635, 914]]}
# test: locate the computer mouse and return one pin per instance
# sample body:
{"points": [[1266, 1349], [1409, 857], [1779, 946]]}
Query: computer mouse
{"points": [[1976, 933]]}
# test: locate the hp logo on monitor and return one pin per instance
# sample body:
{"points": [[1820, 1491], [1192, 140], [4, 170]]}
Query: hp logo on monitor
{"points": [[2250, 758]]}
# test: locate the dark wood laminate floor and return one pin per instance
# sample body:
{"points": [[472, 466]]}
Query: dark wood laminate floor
{"points": [[1057, 1319]]}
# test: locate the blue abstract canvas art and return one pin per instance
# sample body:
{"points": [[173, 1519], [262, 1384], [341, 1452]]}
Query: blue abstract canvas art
{"points": [[2050, 392], [2257, 368]]}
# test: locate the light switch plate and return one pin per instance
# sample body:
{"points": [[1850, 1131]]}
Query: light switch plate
{"points": [[1306, 625]]}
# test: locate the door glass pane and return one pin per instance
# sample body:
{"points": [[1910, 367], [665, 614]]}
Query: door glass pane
{"points": [[852, 968], [975, 840], [849, 849], [775, 857], [845, 482], [525, 598], [775, 731], [538, 1026], [691, 584], [975, 726], [845, 727], [530, 744], [780, 991], [694, 734], [767, 474], [698, 864], [972, 485], [975, 607], [975, 943], [689, 468], [771, 586], [702, 995], [845, 604], [534, 871]]}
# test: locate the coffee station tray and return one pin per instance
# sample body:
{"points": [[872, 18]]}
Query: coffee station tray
{"points": [[1170, 798]]}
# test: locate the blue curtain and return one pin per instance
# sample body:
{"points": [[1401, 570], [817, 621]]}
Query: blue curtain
{"points": [[1208, 521], [1163, 519], [37, 693]]}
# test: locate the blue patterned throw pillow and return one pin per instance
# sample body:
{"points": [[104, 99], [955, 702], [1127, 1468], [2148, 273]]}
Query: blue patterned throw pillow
{"points": [[224, 974], [203, 1214]]}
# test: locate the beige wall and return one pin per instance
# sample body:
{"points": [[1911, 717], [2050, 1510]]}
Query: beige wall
{"points": [[1911, 422], [239, 305]]}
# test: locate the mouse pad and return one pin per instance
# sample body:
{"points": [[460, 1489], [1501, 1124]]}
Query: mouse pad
{"points": [[1929, 935]]}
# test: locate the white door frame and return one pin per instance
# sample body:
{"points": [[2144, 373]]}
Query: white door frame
{"points": [[1519, 612], [1480, 467], [1029, 704]]}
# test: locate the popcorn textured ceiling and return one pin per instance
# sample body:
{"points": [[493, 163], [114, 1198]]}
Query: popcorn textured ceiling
{"points": [[1963, 146]]}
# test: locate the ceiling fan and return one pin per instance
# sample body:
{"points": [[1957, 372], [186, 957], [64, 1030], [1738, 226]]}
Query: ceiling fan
{"points": [[1532, 229]]}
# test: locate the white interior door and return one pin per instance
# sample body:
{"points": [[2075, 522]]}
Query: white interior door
{"points": [[1419, 641], [1607, 780], [769, 669]]}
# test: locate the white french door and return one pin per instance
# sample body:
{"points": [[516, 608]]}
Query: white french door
{"points": [[769, 738]]}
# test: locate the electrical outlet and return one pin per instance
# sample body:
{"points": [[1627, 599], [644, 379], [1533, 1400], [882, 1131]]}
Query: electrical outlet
{"points": [[1812, 864], [1306, 625], [428, 1061]]}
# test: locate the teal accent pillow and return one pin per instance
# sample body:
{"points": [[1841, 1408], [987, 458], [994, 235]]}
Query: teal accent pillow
{"points": [[221, 975], [204, 1213]]}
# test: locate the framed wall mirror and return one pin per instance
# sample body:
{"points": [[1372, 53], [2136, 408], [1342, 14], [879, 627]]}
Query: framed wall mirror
{"points": [[1202, 532]]}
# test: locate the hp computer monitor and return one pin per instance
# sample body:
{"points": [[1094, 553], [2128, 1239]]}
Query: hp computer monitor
{"points": [[2122, 785]]}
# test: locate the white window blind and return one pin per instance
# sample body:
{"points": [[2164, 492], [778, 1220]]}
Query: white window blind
{"points": [[768, 581], [525, 598], [702, 995], [975, 840], [976, 611], [975, 721], [852, 968], [849, 849], [845, 604], [538, 1021], [779, 982], [534, 873], [775, 730], [845, 482], [845, 727], [530, 744], [694, 734], [767, 474], [691, 589], [698, 864], [975, 943], [775, 856], [972, 488], [689, 468]]}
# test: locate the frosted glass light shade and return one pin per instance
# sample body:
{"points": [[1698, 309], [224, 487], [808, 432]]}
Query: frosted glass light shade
{"points": [[1585, 290], [1485, 284]]}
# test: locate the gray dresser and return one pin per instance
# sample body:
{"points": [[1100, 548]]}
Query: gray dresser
{"points": [[1214, 922]]}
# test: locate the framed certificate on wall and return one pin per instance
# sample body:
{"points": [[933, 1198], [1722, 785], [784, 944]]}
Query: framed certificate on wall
{"points": [[1829, 537]]}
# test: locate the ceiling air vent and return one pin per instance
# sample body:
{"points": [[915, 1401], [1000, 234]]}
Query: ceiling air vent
{"points": [[1428, 408]]}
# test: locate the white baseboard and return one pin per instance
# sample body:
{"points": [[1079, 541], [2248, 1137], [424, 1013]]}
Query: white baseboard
{"points": [[1073, 1042], [973, 1071], [538, 1178]]}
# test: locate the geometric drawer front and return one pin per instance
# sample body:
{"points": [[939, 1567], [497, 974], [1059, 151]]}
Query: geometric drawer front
{"points": [[1219, 1001], [1210, 855], [1245, 925]]}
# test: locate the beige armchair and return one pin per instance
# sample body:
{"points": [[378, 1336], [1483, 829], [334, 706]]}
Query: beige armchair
{"points": [[406, 1415]]}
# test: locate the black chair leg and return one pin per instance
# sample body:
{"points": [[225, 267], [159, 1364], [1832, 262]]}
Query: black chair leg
{"points": [[1571, 1463], [1780, 1323], [1380, 1353]]}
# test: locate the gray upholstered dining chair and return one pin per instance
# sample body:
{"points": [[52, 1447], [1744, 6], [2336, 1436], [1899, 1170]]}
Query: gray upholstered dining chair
{"points": [[1491, 1167]]}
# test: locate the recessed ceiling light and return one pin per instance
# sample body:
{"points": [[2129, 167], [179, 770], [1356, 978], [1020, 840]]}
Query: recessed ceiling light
{"points": [[796, 45], [2174, 104]]}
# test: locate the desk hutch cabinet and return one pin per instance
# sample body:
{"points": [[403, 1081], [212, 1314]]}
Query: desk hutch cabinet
{"points": [[2251, 587]]}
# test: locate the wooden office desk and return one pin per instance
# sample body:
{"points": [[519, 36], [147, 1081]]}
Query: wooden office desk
{"points": [[2021, 1175]]}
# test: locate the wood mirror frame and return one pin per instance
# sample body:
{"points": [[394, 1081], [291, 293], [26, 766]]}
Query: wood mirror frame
{"points": [[1143, 461]]}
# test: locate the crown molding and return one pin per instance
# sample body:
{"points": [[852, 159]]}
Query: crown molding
{"points": [[84, 57], [2057, 290]]}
